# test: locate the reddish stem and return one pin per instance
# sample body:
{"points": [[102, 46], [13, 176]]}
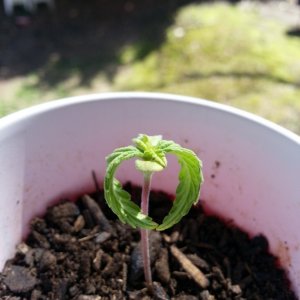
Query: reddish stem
{"points": [[145, 232]]}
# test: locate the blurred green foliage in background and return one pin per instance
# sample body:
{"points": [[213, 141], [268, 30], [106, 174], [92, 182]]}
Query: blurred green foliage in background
{"points": [[220, 52]]}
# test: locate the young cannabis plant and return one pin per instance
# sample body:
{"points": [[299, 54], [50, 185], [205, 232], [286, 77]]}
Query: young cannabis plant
{"points": [[150, 152]]}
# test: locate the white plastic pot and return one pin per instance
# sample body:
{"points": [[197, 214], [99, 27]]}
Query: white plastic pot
{"points": [[251, 166]]}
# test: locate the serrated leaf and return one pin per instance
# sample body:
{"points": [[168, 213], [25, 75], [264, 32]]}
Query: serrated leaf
{"points": [[117, 198], [190, 180]]}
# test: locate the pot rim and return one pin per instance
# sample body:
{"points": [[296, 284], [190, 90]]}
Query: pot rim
{"points": [[38, 109]]}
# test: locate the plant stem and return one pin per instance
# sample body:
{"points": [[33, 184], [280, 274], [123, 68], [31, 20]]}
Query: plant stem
{"points": [[145, 232]]}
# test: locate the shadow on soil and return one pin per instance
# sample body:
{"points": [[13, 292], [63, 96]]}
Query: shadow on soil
{"points": [[84, 37]]}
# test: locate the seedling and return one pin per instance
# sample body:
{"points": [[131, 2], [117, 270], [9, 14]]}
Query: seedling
{"points": [[150, 152]]}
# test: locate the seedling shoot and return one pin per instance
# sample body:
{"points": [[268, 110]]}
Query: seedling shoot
{"points": [[150, 153]]}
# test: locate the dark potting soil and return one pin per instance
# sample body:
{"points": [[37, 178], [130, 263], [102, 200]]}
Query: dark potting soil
{"points": [[80, 251]]}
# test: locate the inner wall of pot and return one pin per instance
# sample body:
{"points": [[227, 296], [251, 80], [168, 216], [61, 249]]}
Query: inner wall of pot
{"points": [[251, 171]]}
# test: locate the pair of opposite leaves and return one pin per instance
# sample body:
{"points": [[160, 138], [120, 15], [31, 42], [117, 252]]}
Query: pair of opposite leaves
{"points": [[151, 154]]}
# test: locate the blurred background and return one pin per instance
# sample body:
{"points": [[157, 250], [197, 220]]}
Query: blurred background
{"points": [[241, 53]]}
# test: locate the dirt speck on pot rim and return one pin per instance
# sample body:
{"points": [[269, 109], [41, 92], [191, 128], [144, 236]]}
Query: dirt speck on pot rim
{"points": [[283, 252]]}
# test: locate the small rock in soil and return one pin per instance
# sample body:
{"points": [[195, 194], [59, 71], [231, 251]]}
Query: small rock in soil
{"points": [[30, 257], [35, 295], [235, 289], [138, 294], [96, 212], [64, 210], [159, 292], [19, 279], [74, 290], [217, 272], [39, 239], [162, 266], [97, 260], [65, 225], [88, 297], [23, 248], [185, 297], [48, 261], [88, 219], [85, 265], [181, 275], [60, 289], [79, 223], [39, 225], [102, 237], [174, 237], [205, 295]]}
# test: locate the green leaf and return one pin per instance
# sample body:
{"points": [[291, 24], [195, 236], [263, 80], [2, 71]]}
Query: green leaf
{"points": [[117, 198], [190, 180]]}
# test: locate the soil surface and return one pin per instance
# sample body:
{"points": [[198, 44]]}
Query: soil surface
{"points": [[80, 251]]}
